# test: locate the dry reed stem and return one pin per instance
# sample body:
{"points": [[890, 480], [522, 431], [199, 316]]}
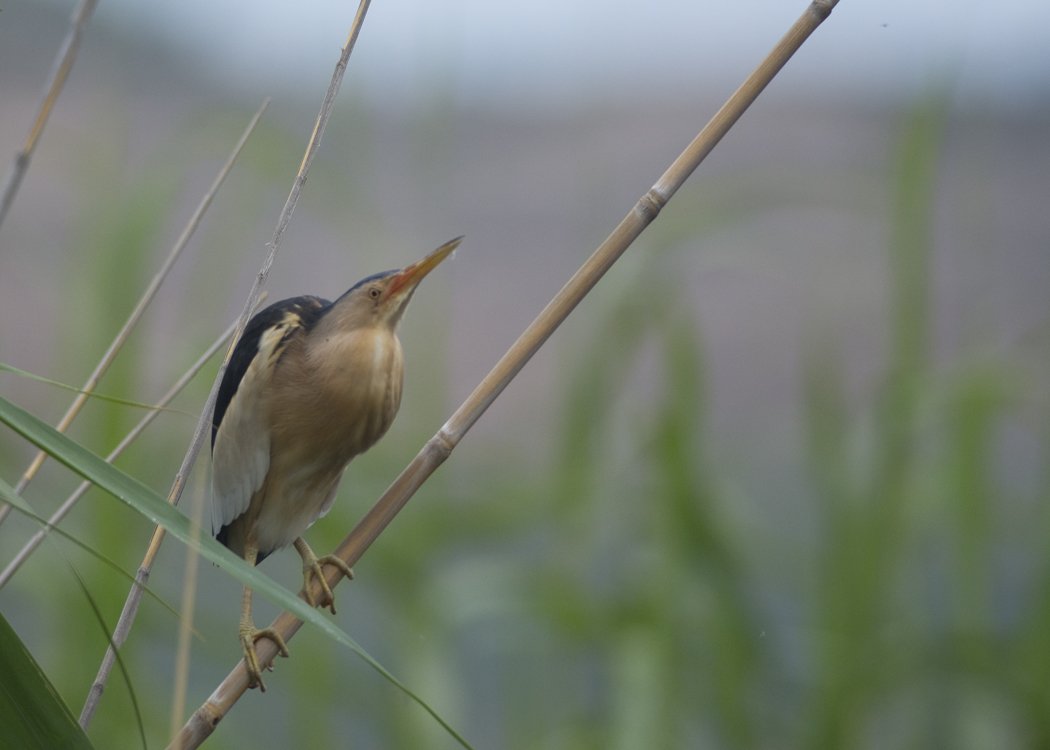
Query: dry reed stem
{"points": [[72, 500], [67, 54], [127, 616], [131, 605], [189, 591], [140, 309], [439, 447]]}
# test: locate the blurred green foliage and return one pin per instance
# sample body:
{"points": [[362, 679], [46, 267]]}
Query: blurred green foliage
{"points": [[613, 599]]}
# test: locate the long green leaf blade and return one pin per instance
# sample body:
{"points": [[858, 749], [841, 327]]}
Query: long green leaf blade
{"points": [[33, 715], [146, 501], [8, 495]]}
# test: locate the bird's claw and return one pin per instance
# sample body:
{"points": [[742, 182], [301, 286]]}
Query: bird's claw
{"points": [[313, 568], [249, 635]]}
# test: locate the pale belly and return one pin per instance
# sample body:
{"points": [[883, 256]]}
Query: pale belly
{"points": [[289, 509]]}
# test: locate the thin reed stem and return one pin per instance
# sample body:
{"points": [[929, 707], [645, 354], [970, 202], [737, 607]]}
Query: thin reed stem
{"points": [[73, 499], [439, 447], [189, 591], [67, 54], [136, 315], [127, 616]]}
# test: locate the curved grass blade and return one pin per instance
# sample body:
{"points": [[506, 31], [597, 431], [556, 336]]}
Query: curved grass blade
{"points": [[120, 659], [8, 495], [92, 394], [146, 501], [35, 716]]}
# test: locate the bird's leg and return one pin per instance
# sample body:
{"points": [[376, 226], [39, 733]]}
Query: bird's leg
{"points": [[249, 634], [312, 566]]}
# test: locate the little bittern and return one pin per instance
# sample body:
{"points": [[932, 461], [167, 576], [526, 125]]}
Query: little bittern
{"points": [[310, 385]]}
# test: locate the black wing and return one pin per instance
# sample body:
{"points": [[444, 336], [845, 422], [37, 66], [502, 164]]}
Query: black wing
{"points": [[307, 309]]}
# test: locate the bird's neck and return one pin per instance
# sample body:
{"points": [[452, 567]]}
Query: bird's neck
{"points": [[358, 375]]}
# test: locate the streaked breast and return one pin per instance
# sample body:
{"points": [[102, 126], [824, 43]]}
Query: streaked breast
{"points": [[342, 396]]}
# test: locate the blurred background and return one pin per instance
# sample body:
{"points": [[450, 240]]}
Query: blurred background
{"points": [[779, 482]]}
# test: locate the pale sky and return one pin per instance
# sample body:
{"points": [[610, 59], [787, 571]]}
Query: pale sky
{"points": [[524, 52]]}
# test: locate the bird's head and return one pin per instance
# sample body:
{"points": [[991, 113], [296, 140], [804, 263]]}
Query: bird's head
{"points": [[382, 299]]}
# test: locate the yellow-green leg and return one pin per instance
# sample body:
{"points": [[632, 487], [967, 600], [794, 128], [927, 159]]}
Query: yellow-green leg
{"points": [[312, 567], [249, 634]]}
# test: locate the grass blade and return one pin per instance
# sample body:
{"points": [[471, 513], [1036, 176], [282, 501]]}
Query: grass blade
{"points": [[34, 715], [73, 499], [8, 495], [140, 309], [437, 450], [146, 501]]}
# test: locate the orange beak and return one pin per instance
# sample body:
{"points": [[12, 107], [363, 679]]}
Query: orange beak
{"points": [[411, 275]]}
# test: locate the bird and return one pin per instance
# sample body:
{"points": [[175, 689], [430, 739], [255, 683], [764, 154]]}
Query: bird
{"points": [[310, 385]]}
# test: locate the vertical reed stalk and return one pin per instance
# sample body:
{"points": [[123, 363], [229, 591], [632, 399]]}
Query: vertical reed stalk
{"points": [[131, 605], [189, 591]]}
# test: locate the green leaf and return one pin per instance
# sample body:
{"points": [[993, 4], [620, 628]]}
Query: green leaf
{"points": [[146, 501], [32, 713], [92, 394], [8, 495]]}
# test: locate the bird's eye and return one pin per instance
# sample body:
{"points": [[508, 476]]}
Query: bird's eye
{"points": [[374, 293]]}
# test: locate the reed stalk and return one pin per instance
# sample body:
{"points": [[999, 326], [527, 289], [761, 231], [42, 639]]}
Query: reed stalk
{"points": [[140, 309], [189, 596], [127, 616], [67, 54], [135, 596], [73, 499], [440, 446]]}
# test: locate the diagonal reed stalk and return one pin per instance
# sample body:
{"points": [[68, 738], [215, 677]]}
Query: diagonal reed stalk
{"points": [[131, 605], [67, 54], [439, 447], [136, 315], [67, 506]]}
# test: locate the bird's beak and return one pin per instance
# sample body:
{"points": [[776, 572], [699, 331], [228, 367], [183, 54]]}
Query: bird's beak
{"points": [[407, 279]]}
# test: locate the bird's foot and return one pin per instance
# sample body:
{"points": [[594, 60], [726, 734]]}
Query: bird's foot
{"points": [[249, 634], [312, 567]]}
